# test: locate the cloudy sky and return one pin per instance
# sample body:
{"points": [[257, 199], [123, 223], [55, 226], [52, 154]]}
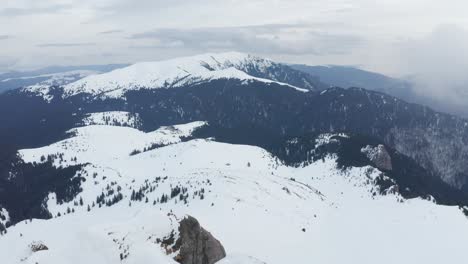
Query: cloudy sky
{"points": [[396, 37]]}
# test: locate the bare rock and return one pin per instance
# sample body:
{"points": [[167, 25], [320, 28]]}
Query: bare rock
{"points": [[379, 156], [194, 245], [38, 246]]}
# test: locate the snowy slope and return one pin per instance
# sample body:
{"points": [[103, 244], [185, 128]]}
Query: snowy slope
{"points": [[171, 73], [103, 145], [45, 81], [37, 82], [261, 210], [117, 118], [55, 75]]}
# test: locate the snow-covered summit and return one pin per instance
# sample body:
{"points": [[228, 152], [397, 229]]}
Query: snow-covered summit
{"points": [[174, 73]]}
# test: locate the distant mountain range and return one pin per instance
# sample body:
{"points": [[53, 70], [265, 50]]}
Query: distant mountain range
{"points": [[58, 75], [321, 76], [346, 77]]}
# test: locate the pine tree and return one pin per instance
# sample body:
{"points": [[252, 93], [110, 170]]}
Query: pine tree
{"points": [[89, 208], [163, 198]]}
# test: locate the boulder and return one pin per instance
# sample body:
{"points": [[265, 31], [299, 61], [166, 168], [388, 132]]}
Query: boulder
{"points": [[38, 246], [196, 245]]}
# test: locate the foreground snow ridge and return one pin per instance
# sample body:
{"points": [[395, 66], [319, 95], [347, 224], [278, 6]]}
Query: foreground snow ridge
{"points": [[260, 210]]}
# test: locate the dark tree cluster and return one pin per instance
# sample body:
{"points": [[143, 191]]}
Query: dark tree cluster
{"points": [[24, 187]]}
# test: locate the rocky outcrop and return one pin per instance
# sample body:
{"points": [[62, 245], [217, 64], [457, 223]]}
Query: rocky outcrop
{"points": [[197, 246], [194, 244], [38, 246], [378, 156]]}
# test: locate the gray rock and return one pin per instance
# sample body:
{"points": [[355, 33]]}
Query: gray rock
{"points": [[379, 156], [194, 245], [38, 246]]}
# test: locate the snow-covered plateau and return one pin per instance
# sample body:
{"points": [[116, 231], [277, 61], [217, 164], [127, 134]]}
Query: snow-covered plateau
{"points": [[138, 185]]}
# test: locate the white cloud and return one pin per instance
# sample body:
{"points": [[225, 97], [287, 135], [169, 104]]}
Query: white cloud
{"points": [[352, 32], [438, 65]]}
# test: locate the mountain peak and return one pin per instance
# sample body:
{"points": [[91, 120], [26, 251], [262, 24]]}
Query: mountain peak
{"points": [[214, 61], [171, 73], [230, 57], [184, 71]]}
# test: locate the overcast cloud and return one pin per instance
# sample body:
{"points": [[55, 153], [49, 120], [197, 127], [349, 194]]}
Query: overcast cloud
{"points": [[425, 39], [350, 32], [285, 39]]}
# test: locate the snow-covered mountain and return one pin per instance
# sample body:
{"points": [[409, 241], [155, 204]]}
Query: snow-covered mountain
{"points": [[186, 71], [274, 101], [51, 76], [260, 209], [278, 169], [46, 80]]}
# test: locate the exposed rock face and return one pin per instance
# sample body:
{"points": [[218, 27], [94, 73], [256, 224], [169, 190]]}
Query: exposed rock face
{"points": [[38, 246], [196, 245], [379, 156]]}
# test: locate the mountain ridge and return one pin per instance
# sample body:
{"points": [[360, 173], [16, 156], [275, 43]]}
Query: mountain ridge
{"points": [[54, 75], [186, 71]]}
